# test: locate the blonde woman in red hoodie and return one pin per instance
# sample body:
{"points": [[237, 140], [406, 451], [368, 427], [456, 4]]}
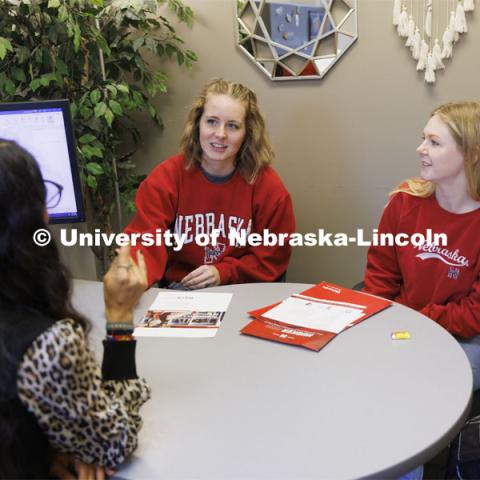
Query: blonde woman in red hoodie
{"points": [[442, 282]]}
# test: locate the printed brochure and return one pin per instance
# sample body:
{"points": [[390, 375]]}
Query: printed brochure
{"points": [[184, 314]]}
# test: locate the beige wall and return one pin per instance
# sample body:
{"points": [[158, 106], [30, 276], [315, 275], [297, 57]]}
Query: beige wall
{"points": [[342, 142]]}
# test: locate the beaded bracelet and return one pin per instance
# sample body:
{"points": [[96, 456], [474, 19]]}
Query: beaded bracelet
{"points": [[120, 338], [119, 326], [114, 329], [120, 331]]}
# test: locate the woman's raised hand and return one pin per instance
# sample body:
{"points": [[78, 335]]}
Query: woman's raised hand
{"points": [[123, 286]]}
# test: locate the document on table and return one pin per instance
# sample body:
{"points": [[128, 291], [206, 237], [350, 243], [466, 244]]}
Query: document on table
{"points": [[314, 314], [314, 317], [184, 314]]}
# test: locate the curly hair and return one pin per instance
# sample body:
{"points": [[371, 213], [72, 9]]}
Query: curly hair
{"points": [[463, 122], [256, 151]]}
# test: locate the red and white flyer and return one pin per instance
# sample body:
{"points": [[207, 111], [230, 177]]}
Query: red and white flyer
{"points": [[313, 317]]}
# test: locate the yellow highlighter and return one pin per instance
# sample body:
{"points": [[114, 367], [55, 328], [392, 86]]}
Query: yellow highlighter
{"points": [[400, 335]]}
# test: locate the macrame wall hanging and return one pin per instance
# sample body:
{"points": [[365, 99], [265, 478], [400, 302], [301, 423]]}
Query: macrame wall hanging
{"points": [[431, 29]]}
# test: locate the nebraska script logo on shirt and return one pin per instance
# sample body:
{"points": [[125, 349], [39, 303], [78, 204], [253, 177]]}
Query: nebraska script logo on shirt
{"points": [[189, 226], [449, 257]]}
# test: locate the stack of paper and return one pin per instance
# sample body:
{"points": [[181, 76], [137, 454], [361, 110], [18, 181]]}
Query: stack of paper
{"points": [[314, 317]]}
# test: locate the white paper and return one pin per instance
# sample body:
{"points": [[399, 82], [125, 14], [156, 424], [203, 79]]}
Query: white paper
{"points": [[184, 314], [332, 302], [176, 332], [188, 300], [314, 314]]}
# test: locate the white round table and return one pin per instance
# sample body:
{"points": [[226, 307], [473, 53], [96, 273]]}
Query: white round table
{"points": [[236, 407]]}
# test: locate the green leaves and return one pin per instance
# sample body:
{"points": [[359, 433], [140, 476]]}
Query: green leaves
{"points": [[63, 13], [95, 96], [19, 74], [138, 42], [94, 168], [185, 14], [190, 57], [90, 151], [103, 45], [6, 85], [116, 107], [100, 109], [35, 84], [76, 36], [112, 89], [91, 181], [47, 78], [108, 116], [61, 67], [5, 47], [88, 138]]}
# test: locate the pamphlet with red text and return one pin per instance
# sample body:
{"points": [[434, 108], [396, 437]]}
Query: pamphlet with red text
{"points": [[313, 317]]}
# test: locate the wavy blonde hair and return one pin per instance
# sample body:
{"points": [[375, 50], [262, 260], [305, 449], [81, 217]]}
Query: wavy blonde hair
{"points": [[463, 122], [256, 151]]}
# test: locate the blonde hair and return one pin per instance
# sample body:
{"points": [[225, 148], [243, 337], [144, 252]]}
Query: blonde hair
{"points": [[256, 151], [463, 122]]}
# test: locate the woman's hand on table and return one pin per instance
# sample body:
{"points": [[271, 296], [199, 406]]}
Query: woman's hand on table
{"points": [[202, 277]]}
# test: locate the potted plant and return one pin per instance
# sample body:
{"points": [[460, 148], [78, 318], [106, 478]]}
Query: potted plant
{"points": [[94, 53]]}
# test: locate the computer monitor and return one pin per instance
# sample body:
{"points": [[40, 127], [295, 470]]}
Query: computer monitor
{"points": [[44, 129]]}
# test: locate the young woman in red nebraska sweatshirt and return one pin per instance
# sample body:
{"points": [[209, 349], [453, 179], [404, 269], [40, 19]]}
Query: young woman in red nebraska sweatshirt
{"points": [[442, 282], [221, 183]]}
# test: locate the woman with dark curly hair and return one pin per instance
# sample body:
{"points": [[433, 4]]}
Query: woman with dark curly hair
{"points": [[221, 181], [52, 393]]}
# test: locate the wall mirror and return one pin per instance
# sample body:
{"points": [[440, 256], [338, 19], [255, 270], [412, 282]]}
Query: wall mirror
{"points": [[296, 39]]}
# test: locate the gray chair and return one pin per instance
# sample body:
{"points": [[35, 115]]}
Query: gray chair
{"points": [[358, 286]]}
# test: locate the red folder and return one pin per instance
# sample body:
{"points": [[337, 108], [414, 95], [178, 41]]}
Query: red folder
{"points": [[310, 338]]}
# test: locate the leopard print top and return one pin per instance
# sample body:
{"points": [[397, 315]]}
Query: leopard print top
{"points": [[60, 383]]}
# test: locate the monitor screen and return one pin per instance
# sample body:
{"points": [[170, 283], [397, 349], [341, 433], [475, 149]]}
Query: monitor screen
{"points": [[44, 129]]}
